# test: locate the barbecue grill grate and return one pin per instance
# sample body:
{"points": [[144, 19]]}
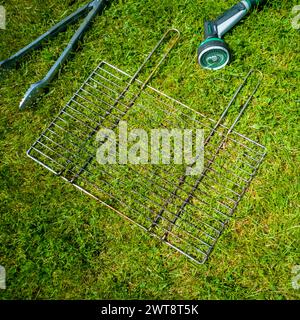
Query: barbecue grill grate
{"points": [[188, 212]]}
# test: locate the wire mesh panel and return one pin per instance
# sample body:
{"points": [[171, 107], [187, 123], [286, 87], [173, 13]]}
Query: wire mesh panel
{"points": [[188, 212]]}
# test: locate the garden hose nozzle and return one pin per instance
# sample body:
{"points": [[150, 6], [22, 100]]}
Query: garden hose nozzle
{"points": [[213, 52]]}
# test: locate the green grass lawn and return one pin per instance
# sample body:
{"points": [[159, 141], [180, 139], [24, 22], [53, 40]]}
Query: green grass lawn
{"points": [[57, 243]]}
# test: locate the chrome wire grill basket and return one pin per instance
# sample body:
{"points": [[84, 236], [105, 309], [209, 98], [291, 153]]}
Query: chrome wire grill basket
{"points": [[188, 212]]}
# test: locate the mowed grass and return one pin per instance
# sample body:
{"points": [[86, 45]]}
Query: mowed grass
{"points": [[57, 243]]}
